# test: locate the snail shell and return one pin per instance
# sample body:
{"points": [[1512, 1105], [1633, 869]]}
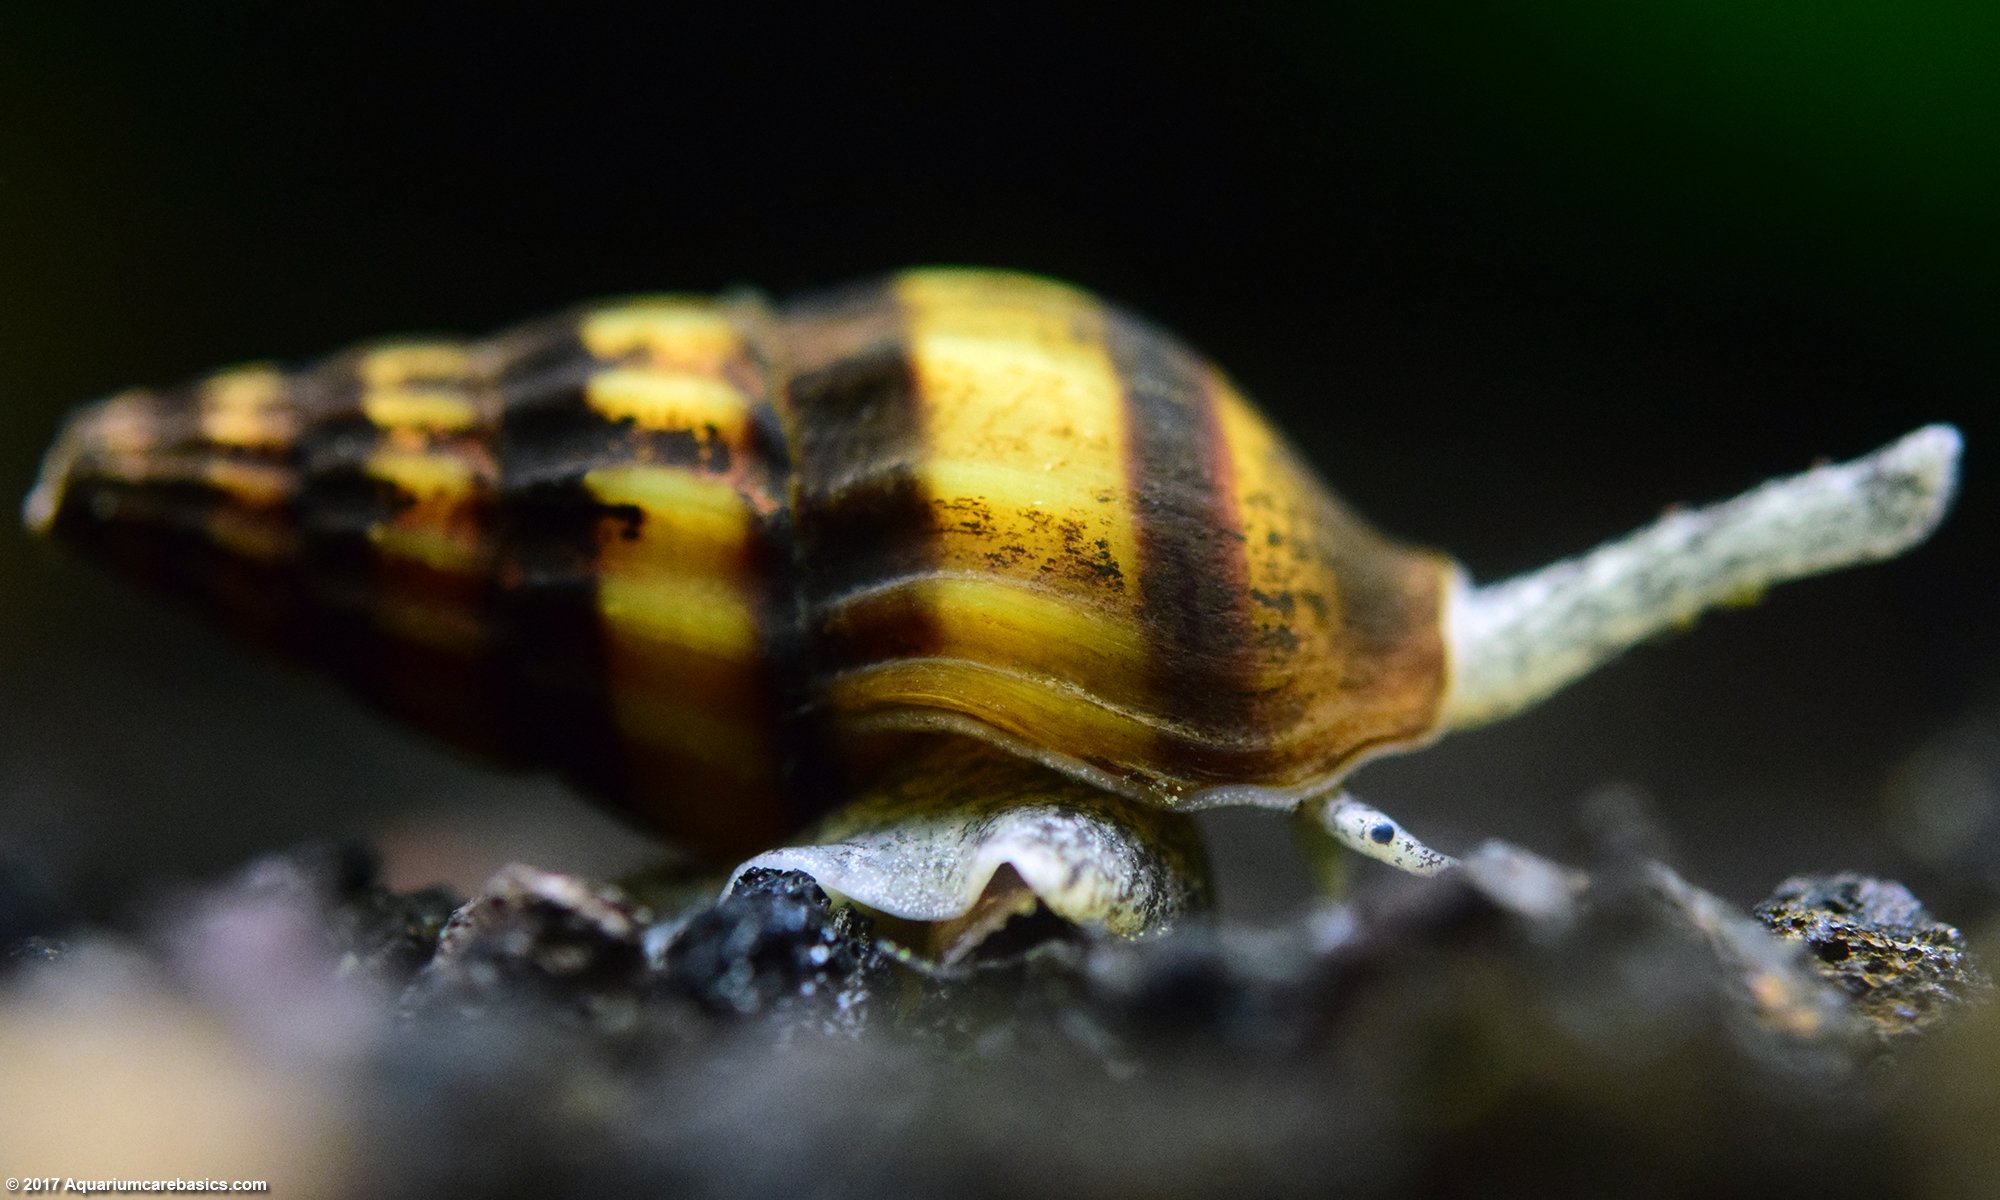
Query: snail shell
{"points": [[714, 559], [693, 551]]}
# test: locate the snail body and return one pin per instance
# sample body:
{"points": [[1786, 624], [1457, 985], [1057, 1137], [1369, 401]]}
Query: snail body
{"points": [[710, 556]]}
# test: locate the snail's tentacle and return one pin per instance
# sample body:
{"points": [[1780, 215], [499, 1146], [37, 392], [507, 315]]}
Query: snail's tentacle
{"points": [[1513, 643], [1369, 831]]}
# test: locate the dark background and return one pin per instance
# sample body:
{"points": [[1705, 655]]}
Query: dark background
{"points": [[1514, 280]]}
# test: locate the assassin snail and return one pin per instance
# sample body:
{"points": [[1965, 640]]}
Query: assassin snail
{"points": [[731, 565]]}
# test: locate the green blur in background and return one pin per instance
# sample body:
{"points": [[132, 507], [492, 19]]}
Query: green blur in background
{"points": [[1856, 134]]}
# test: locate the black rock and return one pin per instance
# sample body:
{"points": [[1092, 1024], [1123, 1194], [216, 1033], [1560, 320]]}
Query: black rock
{"points": [[773, 940], [534, 937], [1902, 966]]}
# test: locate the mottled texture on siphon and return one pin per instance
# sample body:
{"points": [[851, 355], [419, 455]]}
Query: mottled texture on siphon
{"points": [[699, 553]]}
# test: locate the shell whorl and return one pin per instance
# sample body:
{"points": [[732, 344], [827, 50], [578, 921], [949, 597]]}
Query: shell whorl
{"points": [[693, 551]]}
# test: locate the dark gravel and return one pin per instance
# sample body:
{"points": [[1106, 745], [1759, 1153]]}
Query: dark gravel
{"points": [[1515, 1028]]}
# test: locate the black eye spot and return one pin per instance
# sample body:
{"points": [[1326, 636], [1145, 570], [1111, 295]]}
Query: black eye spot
{"points": [[1381, 833]]}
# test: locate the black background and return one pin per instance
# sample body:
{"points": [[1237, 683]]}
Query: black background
{"points": [[1513, 281]]}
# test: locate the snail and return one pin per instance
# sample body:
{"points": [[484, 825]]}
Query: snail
{"points": [[953, 538]]}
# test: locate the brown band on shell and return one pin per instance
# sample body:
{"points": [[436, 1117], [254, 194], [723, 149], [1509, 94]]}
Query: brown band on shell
{"points": [[860, 512], [380, 484], [810, 781], [1192, 576], [339, 504], [551, 641], [852, 417]]}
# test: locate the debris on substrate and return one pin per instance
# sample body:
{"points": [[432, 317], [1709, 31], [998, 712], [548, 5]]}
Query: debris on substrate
{"points": [[1902, 968], [1513, 1028]]}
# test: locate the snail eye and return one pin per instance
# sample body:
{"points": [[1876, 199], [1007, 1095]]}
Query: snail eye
{"points": [[1382, 832]]}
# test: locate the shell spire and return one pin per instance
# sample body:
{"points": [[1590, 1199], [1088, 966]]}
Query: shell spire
{"points": [[340, 515], [554, 548], [189, 490]]}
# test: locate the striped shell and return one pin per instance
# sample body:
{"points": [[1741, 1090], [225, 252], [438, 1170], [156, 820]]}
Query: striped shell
{"points": [[702, 553]]}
